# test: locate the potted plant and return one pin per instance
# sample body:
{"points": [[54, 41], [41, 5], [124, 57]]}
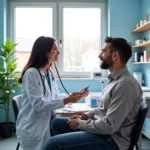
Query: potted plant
{"points": [[144, 39], [7, 84]]}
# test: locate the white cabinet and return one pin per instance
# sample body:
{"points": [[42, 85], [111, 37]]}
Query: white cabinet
{"points": [[146, 126], [146, 92], [146, 95]]}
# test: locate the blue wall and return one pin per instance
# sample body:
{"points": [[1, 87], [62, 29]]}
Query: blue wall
{"points": [[122, 18], [76, 85], [3, 20], [3, 6], [3, 9], [146, 68]]}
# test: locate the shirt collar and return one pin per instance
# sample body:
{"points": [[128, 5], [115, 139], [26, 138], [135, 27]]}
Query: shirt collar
{"points": [[118, 73]]}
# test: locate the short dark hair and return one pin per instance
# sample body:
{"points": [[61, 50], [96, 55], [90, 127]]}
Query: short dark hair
{"points": [[122, 46], [39, 54]]}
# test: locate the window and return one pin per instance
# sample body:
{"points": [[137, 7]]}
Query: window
{"points": [[77, 28], [29, 24]]}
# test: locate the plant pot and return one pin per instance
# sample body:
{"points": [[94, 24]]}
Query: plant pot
{"points": [[6, 129]]}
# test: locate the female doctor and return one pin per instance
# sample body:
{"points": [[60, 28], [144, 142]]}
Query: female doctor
{"points": [[40, 95]]}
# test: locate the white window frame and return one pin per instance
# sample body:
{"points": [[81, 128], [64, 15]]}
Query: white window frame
{"points": [[103, 32], [14, 5], [58, 26]]}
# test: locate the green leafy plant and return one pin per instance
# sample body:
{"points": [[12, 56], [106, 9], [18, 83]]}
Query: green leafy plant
{"points": [[144, 39], [7, 75]]}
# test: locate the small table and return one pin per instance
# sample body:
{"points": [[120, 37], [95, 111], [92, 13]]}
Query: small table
{"points": [[74, 109]]}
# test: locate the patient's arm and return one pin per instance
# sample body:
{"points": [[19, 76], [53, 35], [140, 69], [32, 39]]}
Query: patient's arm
{"points": [[91, 114]]}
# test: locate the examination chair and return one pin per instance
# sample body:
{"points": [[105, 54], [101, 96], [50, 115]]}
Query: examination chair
{"points": [[16, 105], [138, 127]]}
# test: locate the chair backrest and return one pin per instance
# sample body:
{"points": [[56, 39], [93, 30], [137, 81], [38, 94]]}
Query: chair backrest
{"points": [[16, 105], [138, 126]]}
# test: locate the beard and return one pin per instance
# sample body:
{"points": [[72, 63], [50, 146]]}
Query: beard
{"points": [[107, 63]]}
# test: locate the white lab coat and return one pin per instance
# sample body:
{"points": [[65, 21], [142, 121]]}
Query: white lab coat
{"points": [[37, 110]]}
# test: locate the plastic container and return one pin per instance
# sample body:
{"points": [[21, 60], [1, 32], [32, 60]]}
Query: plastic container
{"points": [[141, 58], [138, 77], [135, 56], [92, 100]]}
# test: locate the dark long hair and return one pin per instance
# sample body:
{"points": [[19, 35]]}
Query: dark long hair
{"points": [[39, 54]]}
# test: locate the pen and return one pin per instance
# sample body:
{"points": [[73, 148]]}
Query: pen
{"points": [[86, 89]]}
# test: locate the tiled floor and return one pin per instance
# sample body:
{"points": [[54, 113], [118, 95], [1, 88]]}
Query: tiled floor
{"points": [[11, 143], [145, 143]]}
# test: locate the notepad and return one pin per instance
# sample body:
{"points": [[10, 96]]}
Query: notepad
{"points": [[77, 108]]}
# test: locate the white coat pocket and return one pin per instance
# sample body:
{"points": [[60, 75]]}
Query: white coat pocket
{"points": [[33, 129]]}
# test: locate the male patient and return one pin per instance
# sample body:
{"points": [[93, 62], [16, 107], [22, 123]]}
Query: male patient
{"points": [[109, 126]]}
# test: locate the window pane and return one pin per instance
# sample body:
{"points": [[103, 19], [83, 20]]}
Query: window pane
{"points": [[81, 33], [30, 23]]}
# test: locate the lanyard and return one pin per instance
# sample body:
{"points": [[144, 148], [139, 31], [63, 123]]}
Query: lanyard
{"points": [[42, 82], [48, 81]]}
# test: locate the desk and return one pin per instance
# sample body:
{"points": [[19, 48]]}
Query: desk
{"points": [[75, 109]]}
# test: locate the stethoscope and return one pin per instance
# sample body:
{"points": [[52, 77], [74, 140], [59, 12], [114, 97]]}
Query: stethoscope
{"points": [[53, 79]]}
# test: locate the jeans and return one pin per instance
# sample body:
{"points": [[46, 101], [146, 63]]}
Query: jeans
{"points": [[66, 139]]}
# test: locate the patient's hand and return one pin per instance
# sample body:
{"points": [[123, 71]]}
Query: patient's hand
{"points": [[73, 124]]}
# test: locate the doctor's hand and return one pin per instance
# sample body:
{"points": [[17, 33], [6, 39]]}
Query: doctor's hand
{"points": [[73, 98], [85, 92]]}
